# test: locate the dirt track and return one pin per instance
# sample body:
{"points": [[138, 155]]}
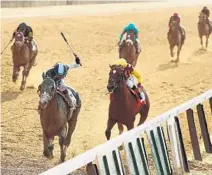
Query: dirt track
{"points": [[94, 38]]}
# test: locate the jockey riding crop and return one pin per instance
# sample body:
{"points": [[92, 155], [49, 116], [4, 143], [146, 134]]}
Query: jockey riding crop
{"points": [[6, 47], [69, 45]]}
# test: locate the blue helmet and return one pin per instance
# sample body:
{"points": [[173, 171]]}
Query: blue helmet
{"points": [[60, 69], [22, 25], [131, 25]]}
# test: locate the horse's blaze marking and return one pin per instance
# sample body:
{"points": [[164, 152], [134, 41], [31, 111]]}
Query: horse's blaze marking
{"points": [[44, 97], [114, 71]]}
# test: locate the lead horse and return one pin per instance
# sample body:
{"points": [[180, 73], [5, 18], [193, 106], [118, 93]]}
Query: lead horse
{"points": [[56, 117], [21, 58], [124, 103]]}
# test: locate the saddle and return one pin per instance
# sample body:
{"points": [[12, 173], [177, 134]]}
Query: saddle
{"points": [[134, 93]]}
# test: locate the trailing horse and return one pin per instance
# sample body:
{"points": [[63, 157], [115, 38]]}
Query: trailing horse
{"points": [[21, 57]]}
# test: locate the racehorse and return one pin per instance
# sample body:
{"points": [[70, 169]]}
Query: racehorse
{"points": [[21, 57], [56, 117], [204, 29], [175, 38], [128, 49], [124, 103]]}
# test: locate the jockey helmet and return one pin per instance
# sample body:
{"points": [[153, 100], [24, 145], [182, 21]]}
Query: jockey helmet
{"points": [[176, 14], [205, 8], [121, 62], [131, 25], [60, 69], [22, 25]]}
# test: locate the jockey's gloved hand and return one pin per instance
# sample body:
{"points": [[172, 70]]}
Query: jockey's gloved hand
{"points": [[77, 60], [140, 87]]}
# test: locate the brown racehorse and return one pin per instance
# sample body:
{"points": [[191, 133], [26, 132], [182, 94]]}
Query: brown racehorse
{"points": [[175, 38], [54, 117], [204, 29], [124, 105], [128, 49], [21, 57]]}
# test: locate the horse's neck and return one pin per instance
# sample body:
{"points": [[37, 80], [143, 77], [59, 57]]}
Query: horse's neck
{"points": [[121, 93]]}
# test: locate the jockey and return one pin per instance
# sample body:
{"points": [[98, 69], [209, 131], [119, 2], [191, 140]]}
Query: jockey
{"points": [[176, 17], [58, 73], [28, 34], [206, 12], [130, 81], [128, 28]]}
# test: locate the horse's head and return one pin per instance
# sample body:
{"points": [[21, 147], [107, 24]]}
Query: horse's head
{"points": [[19, 40], [128, 38], [46, 91], [202, 18], [174, 25], [116, 76]]}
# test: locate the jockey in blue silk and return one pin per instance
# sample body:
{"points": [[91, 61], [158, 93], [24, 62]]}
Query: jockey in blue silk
{"points": [[128, 28], [58, 73]]}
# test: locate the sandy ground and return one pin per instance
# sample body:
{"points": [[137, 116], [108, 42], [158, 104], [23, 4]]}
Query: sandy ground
{"points": [[94, 38]]}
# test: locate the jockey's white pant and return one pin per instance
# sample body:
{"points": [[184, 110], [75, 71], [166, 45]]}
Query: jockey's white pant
{"points": [[131, 82], [62, 86], [34, 45]]}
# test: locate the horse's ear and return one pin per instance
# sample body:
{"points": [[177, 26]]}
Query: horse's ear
{"points": [[110, 66]]}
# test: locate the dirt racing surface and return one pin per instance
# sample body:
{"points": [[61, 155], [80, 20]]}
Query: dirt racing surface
{"points": [[94, 38]]}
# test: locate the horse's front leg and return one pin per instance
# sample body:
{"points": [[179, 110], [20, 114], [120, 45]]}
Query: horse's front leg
{"points": [[206, 46], [201, 42], [24, 77], [110, 124], [63, 147], [16, 70], [48, 147], [178, 52], [172, 50]]}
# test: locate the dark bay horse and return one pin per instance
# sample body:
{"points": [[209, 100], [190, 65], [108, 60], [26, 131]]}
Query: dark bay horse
{"points": [[175, 38], [21, 57], [204, 29], [55, 118], [128, 49], [124, 105]]}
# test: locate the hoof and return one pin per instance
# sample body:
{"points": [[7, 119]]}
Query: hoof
{"points": [[22, 88]]}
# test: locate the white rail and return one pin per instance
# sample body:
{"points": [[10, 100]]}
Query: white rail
{"points": [[90, 155]]}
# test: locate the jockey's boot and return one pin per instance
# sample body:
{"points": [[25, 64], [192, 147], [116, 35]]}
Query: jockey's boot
{"points": [[120, 47], [168, 33], [137, 46], [142, 98], [141, 95], [210, 26], [32, 56], [182, 33], [70, 103]]}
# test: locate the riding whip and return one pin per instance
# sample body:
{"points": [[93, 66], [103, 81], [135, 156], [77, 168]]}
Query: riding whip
{"points": [[5, 47], [69, 45]]}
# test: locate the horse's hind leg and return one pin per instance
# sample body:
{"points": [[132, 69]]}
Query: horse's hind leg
{"points": [[16, 70], [110, 124], [121, 128]]}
